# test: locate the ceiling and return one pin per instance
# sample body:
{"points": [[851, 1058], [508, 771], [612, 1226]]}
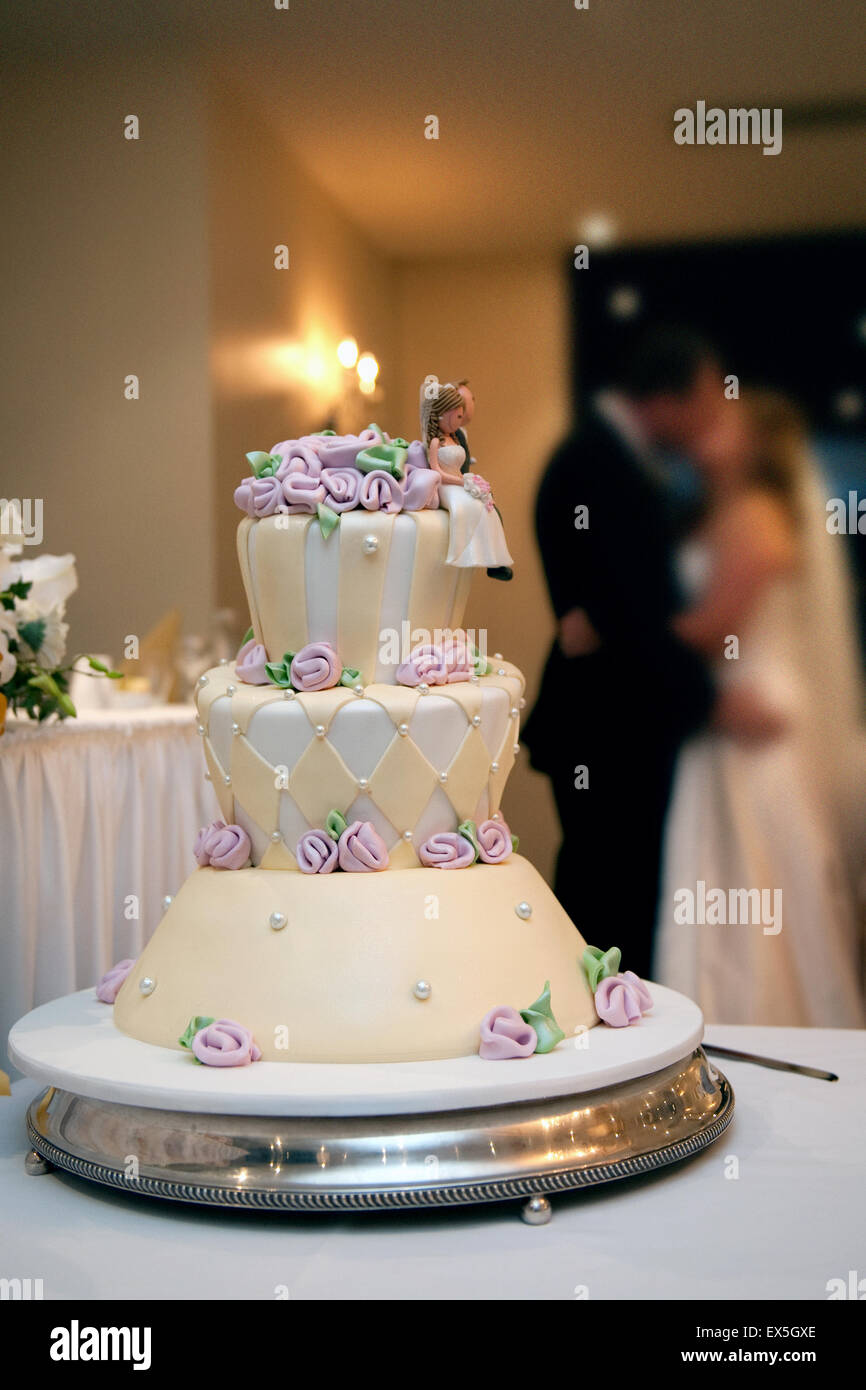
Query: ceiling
{"points": [[547, 114]]}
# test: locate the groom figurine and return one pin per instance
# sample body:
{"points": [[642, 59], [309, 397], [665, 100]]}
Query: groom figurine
{"points": [[620, 692], [500, 571]]}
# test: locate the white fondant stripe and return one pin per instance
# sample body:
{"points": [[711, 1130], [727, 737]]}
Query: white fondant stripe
{"points": [[395, 598], [322, 575]]}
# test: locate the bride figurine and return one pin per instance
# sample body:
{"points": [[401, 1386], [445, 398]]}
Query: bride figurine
{"points": [[477, 538]]}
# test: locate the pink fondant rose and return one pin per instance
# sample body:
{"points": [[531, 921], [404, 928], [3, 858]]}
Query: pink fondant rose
{"points": [[259, 496], [380, 492], [504, 1034], [361, 849], [225, 1044], [316, 853], [621, 999], [316, 667], [494, 841], [421, 487], [109, 986], [301, 492], [222, 846], [340, 451], [447, 850], [342, 488], [459, 658], [250, 663], [426, 665], [297, 456]]}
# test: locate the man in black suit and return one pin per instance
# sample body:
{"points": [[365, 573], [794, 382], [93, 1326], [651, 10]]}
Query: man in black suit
{"points": [[620, 692]]}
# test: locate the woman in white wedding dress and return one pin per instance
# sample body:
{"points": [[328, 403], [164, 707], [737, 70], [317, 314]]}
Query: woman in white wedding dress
{"points": [[776, 815], [476, 537]]}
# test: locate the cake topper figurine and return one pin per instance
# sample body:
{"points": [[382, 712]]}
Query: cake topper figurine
{"points": [[477, 537]]}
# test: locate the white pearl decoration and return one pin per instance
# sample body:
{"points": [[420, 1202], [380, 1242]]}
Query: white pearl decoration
{"points": [[277, 920], [407, 835], [276, 836], [476, 721], [443, 776], [358, 689], [146, 984], [402, 730], [207, 777], [231, 690], [423, 989], [363, 783], [370, 544], [423, 688], [516, 749], [201, 729], [474, 679], [524, 911], [497, 656], [224, 661], [515, 713], [288, 694], [501, 671], [523, 704], [236, 728], [227, 779], [167, 902], [320, 731], [202, 680], [494, 767]]}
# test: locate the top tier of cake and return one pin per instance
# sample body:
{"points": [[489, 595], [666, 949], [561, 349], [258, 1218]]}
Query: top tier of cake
{"points": [[377, 585]]}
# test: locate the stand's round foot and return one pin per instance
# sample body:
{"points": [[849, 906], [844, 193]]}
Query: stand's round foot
{"points": [[536, 1212], [35, 1164]]}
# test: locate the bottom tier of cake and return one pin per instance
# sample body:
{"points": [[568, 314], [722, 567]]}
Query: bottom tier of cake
{"points": [[394, 966]]}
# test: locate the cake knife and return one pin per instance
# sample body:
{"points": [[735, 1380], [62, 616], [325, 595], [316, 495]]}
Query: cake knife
{"points": [[772, 1062]]}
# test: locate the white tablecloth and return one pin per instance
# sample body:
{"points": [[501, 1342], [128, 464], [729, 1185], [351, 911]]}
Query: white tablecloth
{"points": [[98, 816], [793, 1219]]}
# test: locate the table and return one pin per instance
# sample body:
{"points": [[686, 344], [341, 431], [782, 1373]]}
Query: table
{"points": [[793, 1219], [98, 816]]}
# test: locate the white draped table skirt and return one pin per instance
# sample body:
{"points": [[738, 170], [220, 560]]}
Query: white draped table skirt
{"points": [[98, 817]]}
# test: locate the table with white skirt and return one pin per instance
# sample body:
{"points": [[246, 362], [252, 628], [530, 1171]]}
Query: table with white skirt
{"points": [[774, 1210], [98, 816]]}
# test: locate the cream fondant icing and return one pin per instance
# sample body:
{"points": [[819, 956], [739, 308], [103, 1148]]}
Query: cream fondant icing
{"points": [[336, 982], [448, 766]]}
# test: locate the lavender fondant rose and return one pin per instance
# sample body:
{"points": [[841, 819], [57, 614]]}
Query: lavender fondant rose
{"points": [[340, 451], [259, 497], [380, 492], [459, 660], [342, 488], [250, 663], [447, 850], [426, 664], [225, 1043], [297, 456], [316, 853], [420, 488], [621, 999], [222, 846], [109, 986], [361, 849], [494, 841], [316, 667], [301, 492], [504, 1034]]}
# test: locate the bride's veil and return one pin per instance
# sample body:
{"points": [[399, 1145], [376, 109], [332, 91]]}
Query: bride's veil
{"points": [[830, 663]]}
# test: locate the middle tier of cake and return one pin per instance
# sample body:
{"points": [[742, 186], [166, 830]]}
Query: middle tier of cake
{"points": [[413, 764]]}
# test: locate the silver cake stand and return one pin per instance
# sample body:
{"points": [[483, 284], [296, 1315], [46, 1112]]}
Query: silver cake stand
{"points": [[522, 1149]]}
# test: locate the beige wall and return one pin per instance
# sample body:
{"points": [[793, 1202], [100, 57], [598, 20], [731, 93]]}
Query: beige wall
{"points": [[103, 246], [275, 332], [502, 323]]}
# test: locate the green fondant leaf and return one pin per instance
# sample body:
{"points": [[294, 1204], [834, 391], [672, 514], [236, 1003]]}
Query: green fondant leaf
{"points": [[515, 843], [600, 964], [389, 457], [540, 1017], [469, 830], [328, 432], [351, 676], [328, 519], [278, 672], [335, 824], [263, 465], [247, 637], [194, 1026], [20, 588]]}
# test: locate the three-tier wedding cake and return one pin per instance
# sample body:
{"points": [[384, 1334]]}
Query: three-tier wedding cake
{"points": [[360, 898]]}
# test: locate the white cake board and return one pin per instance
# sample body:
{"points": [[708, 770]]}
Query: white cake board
{"points": [[73, 1045]]}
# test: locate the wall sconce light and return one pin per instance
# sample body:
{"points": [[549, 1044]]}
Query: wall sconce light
{"points": [[347, 353], [368, 370]]}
